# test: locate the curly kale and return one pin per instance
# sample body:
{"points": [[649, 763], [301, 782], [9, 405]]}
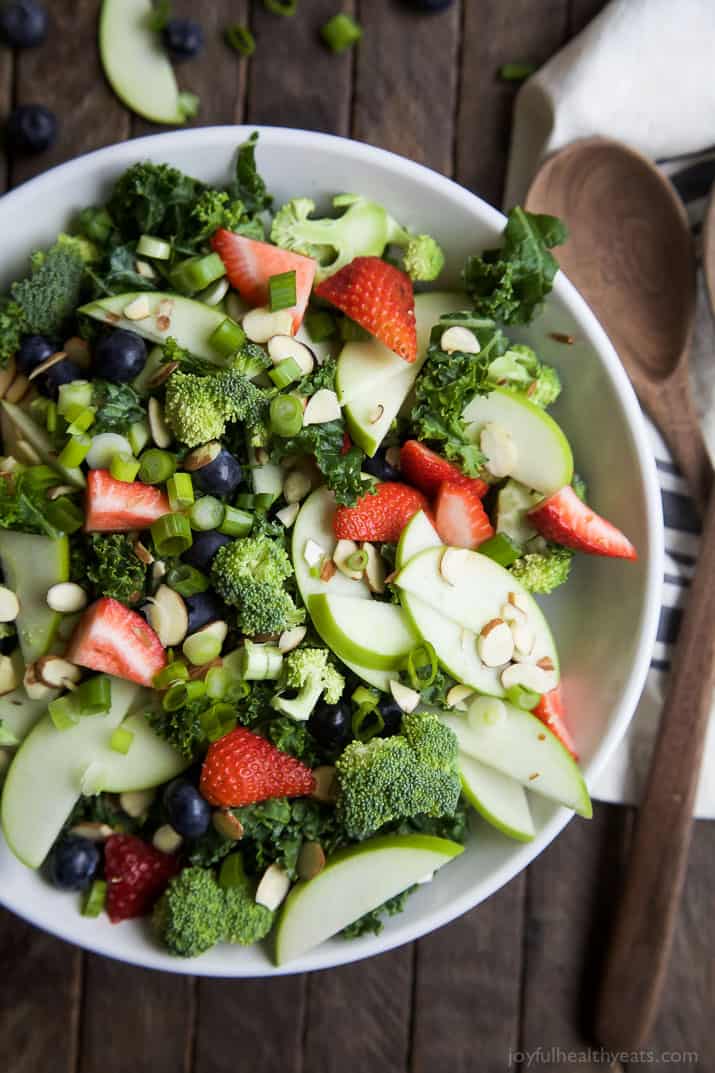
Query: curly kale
{"points": [[216, 209], [341, 467], [275, 830], [323, 376], [184, 728], [248, 186], [23, 502], [153, 199], [114, 568], [118, 406]]}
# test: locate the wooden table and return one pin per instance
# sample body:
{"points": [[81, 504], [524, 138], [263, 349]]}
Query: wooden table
{"points": [[519, 972]]}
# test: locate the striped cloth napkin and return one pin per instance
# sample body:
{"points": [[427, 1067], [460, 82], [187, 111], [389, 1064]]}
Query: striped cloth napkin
{"points": [[633, 74]]}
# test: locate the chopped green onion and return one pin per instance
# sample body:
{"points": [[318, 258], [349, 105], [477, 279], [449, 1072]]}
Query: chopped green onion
{"points": [[351, 332], [51, 416], [218, 730], [341, 32], [124, 467], [232, 873], [246, 500], [64, 515], [228, 337], [63, 713], [121, 740], [195, 273], [319, 326], [171, 674], [236, 523], [94, 696], [157, 248], [264, 501], [363, 695], [282, 291], [139, 435], [180, 489], [421, 658], [78, 393], [367, 722], [285, 415], [516, 72], [156, 466], [81, 419], [206, 513], [189, 104], [281, 7], [182, 693], [501, 549], [357, 561], [240, 39], [217, 681], [96, 898], [285, 372], [202, 648], [75, 451], [171, 535], [186, 580], [96, 224], [526, 699], [260, 662]]}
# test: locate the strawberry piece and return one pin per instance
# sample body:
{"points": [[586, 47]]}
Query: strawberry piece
{"points": [[137, 875], [378, 297], [250, 264], [566, 520], [550, 710], [118, 506], [112, 639], [427, 470], [460, 517], [381, 515], [242, 768]]}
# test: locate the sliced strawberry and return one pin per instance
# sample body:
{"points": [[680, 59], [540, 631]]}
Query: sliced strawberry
{"points": [[137, 875], [460, 517], [566, 520], [250, 264], [550, 710], [381, 515], [427, 470], [242, 768], [112, 639], [379, 297], [118, 506]]}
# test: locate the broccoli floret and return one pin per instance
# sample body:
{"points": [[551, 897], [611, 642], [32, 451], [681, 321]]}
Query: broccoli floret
{"points": [[365, 229], [309, 671], [198, 408], [51, 293], [543, 571], [13, 326], [249, 574], [114, 568], [250, 361], [546, 388], [244, 921], [519, 369], [189, 917], [389, 779], [213, 210], [80, 245]]}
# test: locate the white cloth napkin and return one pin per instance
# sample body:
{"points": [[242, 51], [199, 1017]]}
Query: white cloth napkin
{"points": [[641, 72]]}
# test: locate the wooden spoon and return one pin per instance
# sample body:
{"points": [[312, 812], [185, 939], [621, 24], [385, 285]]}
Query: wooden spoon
{"points": [[631, 256]]}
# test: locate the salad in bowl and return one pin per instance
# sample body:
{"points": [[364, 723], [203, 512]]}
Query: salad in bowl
{"points": [[275, 504]]}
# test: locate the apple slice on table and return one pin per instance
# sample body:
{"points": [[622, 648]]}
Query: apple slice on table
{"points": [[498, 798], [366, 632], [355, 881], [31, 564]]}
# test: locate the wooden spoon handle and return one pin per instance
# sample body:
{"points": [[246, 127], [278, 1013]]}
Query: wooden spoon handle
{"points": [[640, 943], [671, 406]]}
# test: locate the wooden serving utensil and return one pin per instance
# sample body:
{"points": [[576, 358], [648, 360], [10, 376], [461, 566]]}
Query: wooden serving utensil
{"points": [[630, 254]]}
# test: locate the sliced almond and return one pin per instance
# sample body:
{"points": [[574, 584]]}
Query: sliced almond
{"points": [[166, 839], [458, 696], [311, 860], [529, 676], [138, 308], [452, 565], [281, 347], [518, 600], [288, 514], [510, 614], [407, 699], [34, 687], [260, 324], [273, 887], [375, 570], [524, 638], [326, 784], [327, 570], [163, 323], [136, 803], [163, 314], [343, 550], [158, 571], [296, 486], [57, 673], [392, 457], [66, 597], [167, 615], [489, 710], [459, 339], [61, 490], [290, 639], [93, 832], [18, 388], [313, 553], [546, 663], [142, 553], [9, 466], [10, 675], [495, 644], [322, 407], [54, 359], [227, 825], [160, 431], [9, 605], [77, 350], [144, 269], [497, 444], [162, 374]]}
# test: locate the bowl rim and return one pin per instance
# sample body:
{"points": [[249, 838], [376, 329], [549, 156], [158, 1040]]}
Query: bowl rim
{"points": [[326, 956]]}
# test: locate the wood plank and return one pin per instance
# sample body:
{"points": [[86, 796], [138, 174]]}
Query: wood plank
{"points": [[65, 74], [40, 983], [406, 81], [496, 33], [135, 1020], [295, 81]]}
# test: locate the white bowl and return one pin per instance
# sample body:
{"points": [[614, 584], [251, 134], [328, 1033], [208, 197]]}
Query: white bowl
{"points": [[605, 619]]}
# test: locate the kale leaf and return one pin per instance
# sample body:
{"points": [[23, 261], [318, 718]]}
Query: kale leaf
{"points": [[153, 199], [372, 923], [341, 468], [248, 186], [24, 503], [275, 830], [114, 567], [118, 406]]}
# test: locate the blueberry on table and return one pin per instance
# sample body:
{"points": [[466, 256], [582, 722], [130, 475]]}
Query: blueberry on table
{"points": [[73, 863], [214, 469], [33, 350], [331, 724], [204, 548], [62, 372], [119, 356], [31, 128], [202, 608], [189, 813], [183, 38], [23, 23], [379, 467], [392, 714]]}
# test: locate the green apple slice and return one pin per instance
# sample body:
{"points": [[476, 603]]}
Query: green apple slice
{"points": [[149, 762], [36, 436], [480, 590], [514, 501], [543, 455], [32, 564], [418, 535], [355, 881], [135, 62], [498, 798], [363, 631], [20, 713], [191, 323], [521, 746]]}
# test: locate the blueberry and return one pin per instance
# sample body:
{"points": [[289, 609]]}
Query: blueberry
{"points": [[203, 607], [62, 372], [379, 467], [203, 549], [23, 23], [120, 356], [331, 724], [392, 714], [31, 128], [33, 350], [214, 469], [183, 38], [189, 813], [73, 862]]}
